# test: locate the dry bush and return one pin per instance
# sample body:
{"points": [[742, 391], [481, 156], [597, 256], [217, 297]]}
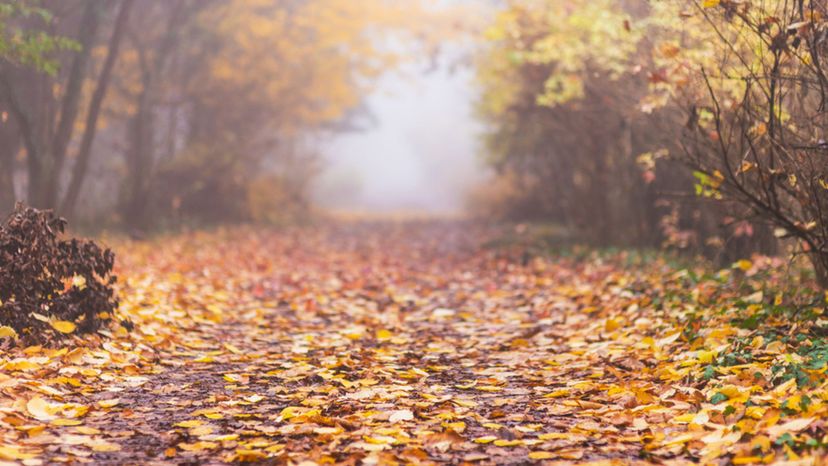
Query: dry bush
{"points": [[757, 138], [44, 279]]}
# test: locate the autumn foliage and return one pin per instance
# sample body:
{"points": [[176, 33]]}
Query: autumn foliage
{"points": [[756, 131], [695, 125], [144, 114], [50, 285], [418, 342]]}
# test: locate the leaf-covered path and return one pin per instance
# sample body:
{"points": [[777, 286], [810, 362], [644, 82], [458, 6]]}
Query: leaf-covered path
{"points": [[376, 344]]}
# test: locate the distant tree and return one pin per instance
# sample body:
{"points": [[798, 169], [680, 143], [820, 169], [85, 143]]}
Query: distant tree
{"points": [[756, 107], [203, 102], [218, 96], [45, 120], [21, 47], [562, 115], [84, 154], [586, 109]]}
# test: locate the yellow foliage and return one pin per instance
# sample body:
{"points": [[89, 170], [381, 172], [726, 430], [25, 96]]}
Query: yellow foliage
{"points": [[566, 40], [271, 199], [309, 62]]}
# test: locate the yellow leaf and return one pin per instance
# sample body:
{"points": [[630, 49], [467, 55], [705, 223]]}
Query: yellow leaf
{"points": [[755, 412], [189, 424], [458, 427], [379, 439], [87, 430], [7, 332], [541, 455], [464, 403], [73, 410], [41, 409], [791, 426], [291, 412], [706, 357], [21, 365], [232, 378], [75, 356], [793, 403], [684, 418], [735, 393], [197, 446], [327, 430], [32, 430], [747, 459], [12, 453], [198, 431], [489, 388], [680, 439], [384, 335], [485, 439], [103, 446], [557, 393], [609, 326], [221, 438], [63, 326], [109, 403], [66, 422], [232, 348], [507, 443]]}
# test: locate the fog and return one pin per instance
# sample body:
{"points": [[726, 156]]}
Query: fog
{"points": [[234, 124], [418, 154]]}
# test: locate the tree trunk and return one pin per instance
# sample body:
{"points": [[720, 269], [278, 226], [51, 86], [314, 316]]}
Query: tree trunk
{"points": [[140, 156], [52, 163], [139, 163], [9, 145], [85, 152], [819, 260], [25, 128], [45, 125]]}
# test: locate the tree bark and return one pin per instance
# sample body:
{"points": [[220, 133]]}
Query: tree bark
{"points": [[45, 125], [9, 145], [26, 130], [52, 163], [139, 162], [140, 156], [81, 166], [819, 260]]}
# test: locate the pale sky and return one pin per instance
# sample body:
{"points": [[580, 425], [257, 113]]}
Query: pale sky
{"points": [[420, 155]]}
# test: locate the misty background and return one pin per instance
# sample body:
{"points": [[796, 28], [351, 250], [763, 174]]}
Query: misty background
{"points": [[418, 152]]}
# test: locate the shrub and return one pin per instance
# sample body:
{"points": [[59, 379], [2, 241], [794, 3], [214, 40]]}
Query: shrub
{"points": [[757, 134], [45, 279]]}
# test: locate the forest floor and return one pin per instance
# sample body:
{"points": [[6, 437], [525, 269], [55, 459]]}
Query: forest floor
{"points": [[414, 343]]}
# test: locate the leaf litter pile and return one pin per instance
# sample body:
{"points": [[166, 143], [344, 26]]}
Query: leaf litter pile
{"points": [[416, 343]]}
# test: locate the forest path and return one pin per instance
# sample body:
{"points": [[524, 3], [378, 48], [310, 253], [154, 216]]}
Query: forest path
{"points": [[371, 343]]}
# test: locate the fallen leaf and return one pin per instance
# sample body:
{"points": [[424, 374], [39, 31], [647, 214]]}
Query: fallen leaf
{"points": [[63, 326], [401, 415]]}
